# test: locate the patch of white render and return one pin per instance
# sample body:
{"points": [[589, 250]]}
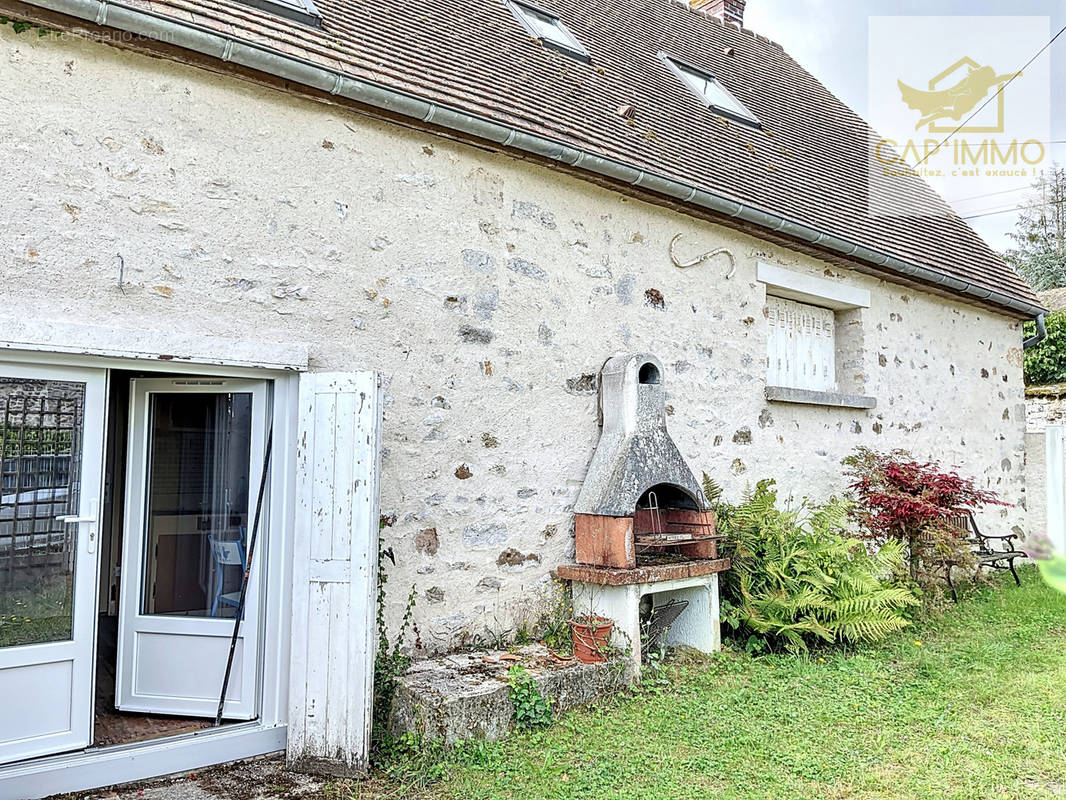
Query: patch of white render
{"points": [[484, 289]]}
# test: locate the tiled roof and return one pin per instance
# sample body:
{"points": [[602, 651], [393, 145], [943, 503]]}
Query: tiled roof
{"points": [[808, 163], [1053, 299]]}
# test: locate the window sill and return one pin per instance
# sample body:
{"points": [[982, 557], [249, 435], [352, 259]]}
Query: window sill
{"points": [[786, 394]]}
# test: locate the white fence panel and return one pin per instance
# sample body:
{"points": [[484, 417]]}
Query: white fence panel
{"points": [[1056, 484]]}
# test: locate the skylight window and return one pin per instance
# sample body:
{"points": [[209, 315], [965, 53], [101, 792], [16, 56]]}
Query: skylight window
{"points": [[710, 90], [547, 27], [298, 10]]}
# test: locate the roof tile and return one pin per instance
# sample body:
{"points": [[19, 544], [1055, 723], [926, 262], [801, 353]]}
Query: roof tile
{"points": [[808, 164]]}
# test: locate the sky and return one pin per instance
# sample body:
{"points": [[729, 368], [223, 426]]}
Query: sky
{"points": [[834, 39]]}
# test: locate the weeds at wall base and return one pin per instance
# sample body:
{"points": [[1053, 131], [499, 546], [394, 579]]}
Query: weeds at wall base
{"points": [[531, 710], [390, 662]]}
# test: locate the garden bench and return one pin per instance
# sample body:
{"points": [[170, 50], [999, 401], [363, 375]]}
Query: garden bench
{"points": [[987, 550]]}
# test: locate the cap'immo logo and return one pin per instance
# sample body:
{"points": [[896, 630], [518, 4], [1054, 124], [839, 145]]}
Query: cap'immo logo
{"points": [[953, 95], [956, 101]]}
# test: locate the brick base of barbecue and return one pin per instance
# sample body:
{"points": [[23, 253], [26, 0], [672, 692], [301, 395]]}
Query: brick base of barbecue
{"points": [[604, 541], [613, 576], [608, 582], [610, 541]]}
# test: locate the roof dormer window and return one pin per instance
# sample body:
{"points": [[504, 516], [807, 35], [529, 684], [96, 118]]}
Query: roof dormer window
{"points": [[546, 26], [710, 91]]}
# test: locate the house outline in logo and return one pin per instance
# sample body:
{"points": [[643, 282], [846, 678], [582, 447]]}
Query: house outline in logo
{"points": [[959, 99]]}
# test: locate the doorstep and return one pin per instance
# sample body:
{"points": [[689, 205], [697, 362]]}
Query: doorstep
{"points": [[466, 696]]}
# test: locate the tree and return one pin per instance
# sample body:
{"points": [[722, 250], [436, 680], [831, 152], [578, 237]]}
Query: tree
{"points": [[1040, 232], [914, 502]]}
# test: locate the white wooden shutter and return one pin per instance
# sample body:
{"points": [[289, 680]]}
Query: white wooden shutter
{"points": [[801, 345], [334, 572]]}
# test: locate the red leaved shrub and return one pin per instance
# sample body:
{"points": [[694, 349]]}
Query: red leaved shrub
{"points": [[897, 497]]}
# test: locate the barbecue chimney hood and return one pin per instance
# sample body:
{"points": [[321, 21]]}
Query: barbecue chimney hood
{"points": [[635, 451]]}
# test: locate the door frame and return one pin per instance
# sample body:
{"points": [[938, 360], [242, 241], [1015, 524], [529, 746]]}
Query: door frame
{"points": [[94, 767], [132, 621]]}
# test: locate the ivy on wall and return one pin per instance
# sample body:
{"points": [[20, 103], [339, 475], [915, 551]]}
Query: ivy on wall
{"points": [[21, 26], [1046, 363]]}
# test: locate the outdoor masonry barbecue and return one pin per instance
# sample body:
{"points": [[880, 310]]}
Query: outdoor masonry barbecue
{"points": [[646, 544]]}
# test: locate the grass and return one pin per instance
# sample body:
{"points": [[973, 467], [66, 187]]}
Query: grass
{"points": [[38, 608], [971, 704]]}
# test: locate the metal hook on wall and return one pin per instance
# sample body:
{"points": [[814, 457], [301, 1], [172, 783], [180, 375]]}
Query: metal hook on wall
{"points": [[700, 259]]}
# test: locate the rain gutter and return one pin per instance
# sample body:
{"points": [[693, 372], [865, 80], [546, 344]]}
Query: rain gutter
{"points": [[200, 39], [1041, 333]]}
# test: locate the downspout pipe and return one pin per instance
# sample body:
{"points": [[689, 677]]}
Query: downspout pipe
{"points": [[263, 58], [1041, 334]]}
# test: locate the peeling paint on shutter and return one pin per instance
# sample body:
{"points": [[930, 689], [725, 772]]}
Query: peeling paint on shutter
{"points": [[801, 346], [334, 573]]}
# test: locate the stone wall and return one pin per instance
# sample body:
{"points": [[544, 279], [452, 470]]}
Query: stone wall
{"points": [[486, 290], [1045, 405]]}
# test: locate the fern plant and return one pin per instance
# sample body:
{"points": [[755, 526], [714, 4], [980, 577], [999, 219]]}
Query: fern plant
{"points": [[796, 579]]}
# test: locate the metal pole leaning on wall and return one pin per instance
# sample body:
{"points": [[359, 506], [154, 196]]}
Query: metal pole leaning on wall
{"points": [[244, 576]]}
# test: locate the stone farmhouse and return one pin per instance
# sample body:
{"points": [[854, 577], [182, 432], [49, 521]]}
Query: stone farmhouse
{"points": [[358, 264]]}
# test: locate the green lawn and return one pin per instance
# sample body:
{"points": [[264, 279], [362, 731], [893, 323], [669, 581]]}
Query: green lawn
{"points": [[970, 705], [36, 608]]}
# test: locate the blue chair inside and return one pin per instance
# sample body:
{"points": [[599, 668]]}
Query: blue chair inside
{"points": [[226, 553]]}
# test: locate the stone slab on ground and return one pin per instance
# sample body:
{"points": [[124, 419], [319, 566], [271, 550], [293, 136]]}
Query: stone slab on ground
{"points": [[466, 696], [251, 779]]}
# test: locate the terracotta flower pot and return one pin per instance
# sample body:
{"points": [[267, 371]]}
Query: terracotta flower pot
{"points": [[590, 636]]}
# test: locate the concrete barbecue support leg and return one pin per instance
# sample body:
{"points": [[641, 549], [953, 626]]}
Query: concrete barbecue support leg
{"points": [[618, 603], [699, 625]]}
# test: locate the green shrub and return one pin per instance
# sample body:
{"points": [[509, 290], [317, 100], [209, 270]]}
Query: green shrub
{"points": [[1046, 363], [797, 580]]}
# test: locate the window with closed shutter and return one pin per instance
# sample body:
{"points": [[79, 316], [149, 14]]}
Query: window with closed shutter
{"points": [[801, 346]]}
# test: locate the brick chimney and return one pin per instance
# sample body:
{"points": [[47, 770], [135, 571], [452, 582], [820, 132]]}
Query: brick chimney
{"points": [[726, 10]]}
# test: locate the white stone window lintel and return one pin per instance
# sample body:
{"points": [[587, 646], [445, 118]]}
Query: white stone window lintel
{"points": [[804, 288]]}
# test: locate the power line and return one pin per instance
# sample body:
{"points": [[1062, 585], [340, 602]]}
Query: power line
{"points": [[1026, 188], [1016, 208], [1029, 187], [996, 94]]}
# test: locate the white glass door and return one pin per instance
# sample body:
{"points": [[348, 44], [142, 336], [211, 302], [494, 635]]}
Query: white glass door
{"points": [[51, 452], [195, 463]]}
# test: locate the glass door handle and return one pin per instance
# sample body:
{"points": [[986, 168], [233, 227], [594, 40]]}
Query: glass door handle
{"points": [[73, 519]]}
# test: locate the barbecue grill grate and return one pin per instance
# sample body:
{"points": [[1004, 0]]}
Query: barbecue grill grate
{"points": [[673, 533], [662, 617]]}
